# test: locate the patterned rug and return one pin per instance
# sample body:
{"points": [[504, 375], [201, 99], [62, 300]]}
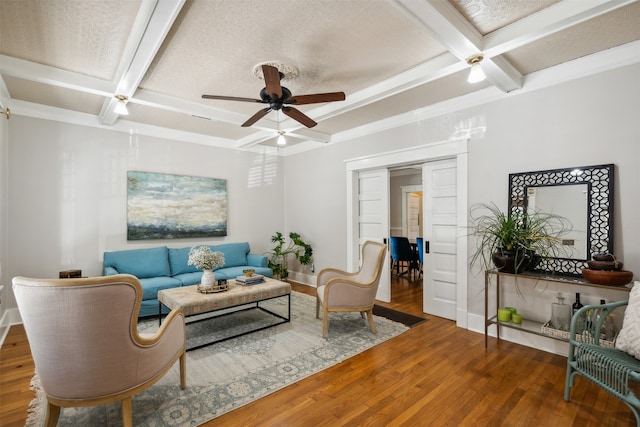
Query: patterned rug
{"points": [[232, 373]]}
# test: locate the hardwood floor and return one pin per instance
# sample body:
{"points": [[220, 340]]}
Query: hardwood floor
{"points": [[432, 375]]}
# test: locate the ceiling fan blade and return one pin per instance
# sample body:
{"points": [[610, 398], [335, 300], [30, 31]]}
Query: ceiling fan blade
{"points": [[272, 80], [299, 116], [233, 98], [257, 116], [316, 98]]}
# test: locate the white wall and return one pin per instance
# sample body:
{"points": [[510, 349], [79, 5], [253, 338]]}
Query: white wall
{"points": [[68, 193], [593, 120]]}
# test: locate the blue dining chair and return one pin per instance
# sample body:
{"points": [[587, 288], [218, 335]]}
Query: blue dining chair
{"points": [[420, 246], [401, 252]]}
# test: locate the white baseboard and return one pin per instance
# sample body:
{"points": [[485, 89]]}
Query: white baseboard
{"points": [[10, 317], [303, 279], [462, 319]]}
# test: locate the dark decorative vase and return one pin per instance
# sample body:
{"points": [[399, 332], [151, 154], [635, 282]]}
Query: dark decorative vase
{"points": [[507, 262]]}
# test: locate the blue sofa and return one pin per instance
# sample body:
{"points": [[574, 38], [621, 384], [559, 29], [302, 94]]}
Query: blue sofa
{"points": [[164, 268]]}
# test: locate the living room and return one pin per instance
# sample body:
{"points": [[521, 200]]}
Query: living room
{"points": [[75, 206], [64, 193]]}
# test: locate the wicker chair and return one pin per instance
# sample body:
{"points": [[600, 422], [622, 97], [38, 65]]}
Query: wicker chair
{"points": [[609, 368], [85, 344]]}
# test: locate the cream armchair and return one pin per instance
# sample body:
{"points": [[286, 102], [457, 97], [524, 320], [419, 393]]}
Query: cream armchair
{"points": [[339, 290], [85, 343]]}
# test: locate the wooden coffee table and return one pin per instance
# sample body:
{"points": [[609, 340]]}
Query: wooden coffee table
{"points": [[192, 302]]}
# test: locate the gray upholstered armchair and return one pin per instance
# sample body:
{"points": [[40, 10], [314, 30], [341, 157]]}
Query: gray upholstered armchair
{"points": [[343, 291], [85, 343]]}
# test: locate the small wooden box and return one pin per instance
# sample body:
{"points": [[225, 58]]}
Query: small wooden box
{"points": [[71, 274]]}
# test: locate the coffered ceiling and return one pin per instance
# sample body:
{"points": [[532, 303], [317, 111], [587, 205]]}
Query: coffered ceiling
{"points": [[66, 59]]}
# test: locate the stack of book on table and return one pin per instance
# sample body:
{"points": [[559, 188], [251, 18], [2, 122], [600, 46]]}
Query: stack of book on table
{"points": [[252, 280]]}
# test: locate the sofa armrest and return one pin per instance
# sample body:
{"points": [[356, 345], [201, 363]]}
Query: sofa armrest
{"points": [[110, 271], [255, 260]]}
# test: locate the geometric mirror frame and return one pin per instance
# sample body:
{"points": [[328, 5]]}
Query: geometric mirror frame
{"points": [[600, 185]]}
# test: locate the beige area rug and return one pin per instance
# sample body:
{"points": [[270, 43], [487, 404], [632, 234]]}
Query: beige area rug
{"points": [[232, 373]]}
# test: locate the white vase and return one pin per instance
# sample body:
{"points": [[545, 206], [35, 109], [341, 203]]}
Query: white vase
{"points": [[208, 278]]}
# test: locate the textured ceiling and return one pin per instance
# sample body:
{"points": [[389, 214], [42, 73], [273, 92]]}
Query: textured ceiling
{"points": [[490, 15], [66, 59]]}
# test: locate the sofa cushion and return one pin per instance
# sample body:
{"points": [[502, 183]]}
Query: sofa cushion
{"points": [[142, 263], [178, 260], [235, 254], [188, 279], [151, 286]]}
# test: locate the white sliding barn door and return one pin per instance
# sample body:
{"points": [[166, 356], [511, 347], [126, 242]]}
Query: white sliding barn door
{"points": [[440, 207], [373, 219]]}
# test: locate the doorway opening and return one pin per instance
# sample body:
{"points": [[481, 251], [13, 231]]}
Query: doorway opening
{"points": [[367, 184], [406, 220]]}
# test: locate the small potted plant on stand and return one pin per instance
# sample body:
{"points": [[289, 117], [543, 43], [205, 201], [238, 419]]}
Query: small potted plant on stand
{"points": [[512, 243], [279, 254]]}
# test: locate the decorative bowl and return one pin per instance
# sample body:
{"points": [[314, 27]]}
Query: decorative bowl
{"points": [[604, 257], [604, 265], [607, 277], [248, 272]]}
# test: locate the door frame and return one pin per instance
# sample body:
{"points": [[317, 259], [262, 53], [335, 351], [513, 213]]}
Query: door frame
{"points": [[406, 189], [457, 149]]}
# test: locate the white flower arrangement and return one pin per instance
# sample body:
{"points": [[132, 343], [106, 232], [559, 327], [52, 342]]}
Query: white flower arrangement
{"points": [[204, 258]]}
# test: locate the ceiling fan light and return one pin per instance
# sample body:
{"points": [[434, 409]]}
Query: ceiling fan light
{"points": [[475, 73], [121, 105], [281, 139]]}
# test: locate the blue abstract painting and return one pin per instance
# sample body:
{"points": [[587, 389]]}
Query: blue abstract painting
{"points": [[163, 206]]}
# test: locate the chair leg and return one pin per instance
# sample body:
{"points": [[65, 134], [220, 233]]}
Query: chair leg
{"points": [[371, 324], [317, 307], [325, 322], [52, 415], [127, 412], [183, 370]]}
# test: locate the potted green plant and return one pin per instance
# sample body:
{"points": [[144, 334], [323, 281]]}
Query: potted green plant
{"points": [[512, 243], [281, 251]]}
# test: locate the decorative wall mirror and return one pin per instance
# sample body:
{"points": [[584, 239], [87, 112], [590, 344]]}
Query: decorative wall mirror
{"points": [[583, 195]]}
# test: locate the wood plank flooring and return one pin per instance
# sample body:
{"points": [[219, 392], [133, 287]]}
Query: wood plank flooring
{"points": [[432, 375]]}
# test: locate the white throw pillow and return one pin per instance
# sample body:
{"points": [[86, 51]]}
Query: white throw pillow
{"points": [[629, 337]]}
